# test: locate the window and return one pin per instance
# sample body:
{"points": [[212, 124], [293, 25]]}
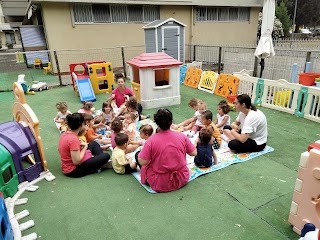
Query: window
{"points": [[104, 13], [135, 13], [82, 13], [101, 13], [151, 13], [161, 77], [119, 14], [222, 14]]}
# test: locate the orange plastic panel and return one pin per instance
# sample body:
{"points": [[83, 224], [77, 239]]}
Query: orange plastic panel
{"points": [[227, 84], [193, 77]]}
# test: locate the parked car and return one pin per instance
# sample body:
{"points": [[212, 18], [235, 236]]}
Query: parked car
{"points": [[316, 32], [38, 86], [306, 31]]}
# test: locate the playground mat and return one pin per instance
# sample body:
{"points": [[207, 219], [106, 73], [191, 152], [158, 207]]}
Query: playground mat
{"points": [[225, 159]]}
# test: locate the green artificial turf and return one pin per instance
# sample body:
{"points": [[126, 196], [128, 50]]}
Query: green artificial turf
{"points": [[250, 200], [8, 78]]}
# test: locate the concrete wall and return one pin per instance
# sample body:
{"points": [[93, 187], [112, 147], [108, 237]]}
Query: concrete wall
{"points": [[58, 23]]}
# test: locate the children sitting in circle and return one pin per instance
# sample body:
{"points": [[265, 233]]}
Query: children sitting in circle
{"points": [[188, 123], [63, 111], [223, 118], [205, 151], [122, 163], [206, 117], [87, 107]]}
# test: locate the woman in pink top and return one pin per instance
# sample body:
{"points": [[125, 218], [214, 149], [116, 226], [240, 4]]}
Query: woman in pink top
{"points": [[119, 94], [163, 157]]}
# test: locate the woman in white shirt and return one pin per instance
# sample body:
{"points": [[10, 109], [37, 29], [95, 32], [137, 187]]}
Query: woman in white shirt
{"points": [[253, 123]]}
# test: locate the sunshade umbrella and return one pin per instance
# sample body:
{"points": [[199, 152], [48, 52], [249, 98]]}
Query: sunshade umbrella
{"points": [[265, 45]]}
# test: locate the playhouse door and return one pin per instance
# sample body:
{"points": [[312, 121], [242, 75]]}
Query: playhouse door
{"points": [[171, 41]]}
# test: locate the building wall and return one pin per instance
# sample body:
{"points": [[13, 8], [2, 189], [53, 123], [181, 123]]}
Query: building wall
{"points": [[57, 19]]}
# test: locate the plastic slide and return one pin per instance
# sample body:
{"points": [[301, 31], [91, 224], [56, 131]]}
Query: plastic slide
{"points": [[85, 90]]}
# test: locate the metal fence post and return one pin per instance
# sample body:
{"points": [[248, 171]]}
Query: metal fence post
{"points": [[58, 67], [123, 62], [194, 52], [308, 58], [255, 67], [219, 60]]}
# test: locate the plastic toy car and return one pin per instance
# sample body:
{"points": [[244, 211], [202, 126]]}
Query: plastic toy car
{"points": [[39, 86]]}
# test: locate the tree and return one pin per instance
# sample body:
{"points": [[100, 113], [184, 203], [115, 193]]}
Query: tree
{"points": [[307, 12], [283, 16], [277, 27]]}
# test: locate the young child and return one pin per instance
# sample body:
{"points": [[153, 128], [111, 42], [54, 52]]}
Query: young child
{"points": [[145, 132], [61, 116], [208, 124], [107, 113], [82, 138], [116, 127], [197, 117], [129, 125], [87, 107], [63, 111], [205, 151], [99, 126], [91, 135], [222, 116], [130, 105], [188, 123], [120, 162]]}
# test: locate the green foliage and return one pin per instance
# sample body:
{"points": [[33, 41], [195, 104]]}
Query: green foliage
{"points": [[277, 27], [307, 12], [283, 16]]}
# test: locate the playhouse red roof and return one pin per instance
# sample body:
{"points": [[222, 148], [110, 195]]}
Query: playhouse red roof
{"points": [[151, 60]]}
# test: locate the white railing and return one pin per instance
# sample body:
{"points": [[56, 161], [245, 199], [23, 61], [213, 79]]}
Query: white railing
{"points": [[302, 101]]}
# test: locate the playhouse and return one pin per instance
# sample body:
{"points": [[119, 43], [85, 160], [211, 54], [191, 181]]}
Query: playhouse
{"points": [[155, 79]]}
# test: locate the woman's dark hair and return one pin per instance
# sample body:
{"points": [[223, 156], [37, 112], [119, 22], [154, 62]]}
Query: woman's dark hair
{"points": [[74, 120], [246, 100], [119, 75], [163, 118]]}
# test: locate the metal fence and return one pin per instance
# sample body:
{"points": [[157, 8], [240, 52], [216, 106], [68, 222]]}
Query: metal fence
{"points": [[223, 59]]}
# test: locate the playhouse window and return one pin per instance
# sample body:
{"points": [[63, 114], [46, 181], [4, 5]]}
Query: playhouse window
{"points": [[161, 77], [135, 73], [7, 175]]}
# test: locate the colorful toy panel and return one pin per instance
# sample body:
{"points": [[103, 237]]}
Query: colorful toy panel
{"points": [[281, 98], [8, 176], [101, 77], [208, 81], [227, 84], [192, 78], [183, 71]]}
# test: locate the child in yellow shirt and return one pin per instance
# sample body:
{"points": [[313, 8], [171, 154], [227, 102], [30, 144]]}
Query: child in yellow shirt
{"points": [[206, 118], [121, 163]]}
